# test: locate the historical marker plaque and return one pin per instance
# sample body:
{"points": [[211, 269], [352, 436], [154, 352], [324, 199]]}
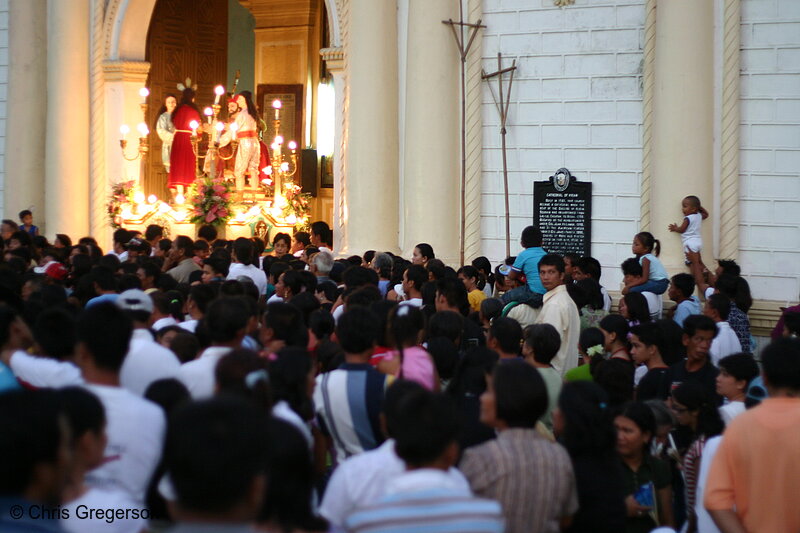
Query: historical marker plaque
{"points": [[562, 209]]}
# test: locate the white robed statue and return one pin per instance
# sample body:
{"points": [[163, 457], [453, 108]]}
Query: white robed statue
{"points": [[165, 128]]}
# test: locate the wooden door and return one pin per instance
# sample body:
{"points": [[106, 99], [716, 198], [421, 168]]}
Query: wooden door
{"points": [[186, 38]]}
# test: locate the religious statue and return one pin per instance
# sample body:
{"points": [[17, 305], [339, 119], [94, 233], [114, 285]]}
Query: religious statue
{"points": [[165, 128], [248, 153], [183, 161]]}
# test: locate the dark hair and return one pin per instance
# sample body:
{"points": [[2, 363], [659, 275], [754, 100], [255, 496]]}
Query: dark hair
{"points": [[303, 237], [641, 415], [288, 499], [791, 321], [243, 374], [31, 434], [293, 280], [741, 366], [225, 318], [54, 332], [695, 397], [684, 283], [491, 308], [393, 398], [168, 393], [650, 334], [673, 349], [729, 266], [425, 425], [277, 268], [446, 324], [175, 300], [615, 376], [218, 265], [24, 213], [544, 341], [436, 268], [214, 450], [182, 242], [243, 249], [508, 334], [417, 275], [470, 272], [649, 242], [65, 240], [471, 371], [357, 330], [590, 337], [322, 230], [321, 324], [693, 200], [104, 277], [721, 304], [590, 289], [590, 266], [83, 411], [330, 290], [185, 345], [453, 292], [485, 268], [588, 427], [286, 323], [282, 237], [106, 331], [404, 326], [638, 310], [153, 231], [554, 260], [693, 323], [444, 353], [202, 296], [631, 267], [288, 378], [780, 362], [737, 289], [520, 393], [531, 237], [426, 250]]}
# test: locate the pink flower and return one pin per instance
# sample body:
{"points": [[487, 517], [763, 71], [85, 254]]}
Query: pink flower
{"points": [[222, 213], [219, 189]]}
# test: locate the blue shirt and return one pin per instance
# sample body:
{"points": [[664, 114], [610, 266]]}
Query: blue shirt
{"points": [[657, 270], [110, 298], [527, 262], [7, 380], [686, 308]]}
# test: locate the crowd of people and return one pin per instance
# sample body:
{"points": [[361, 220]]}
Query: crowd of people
{"points": [[196, 385]]}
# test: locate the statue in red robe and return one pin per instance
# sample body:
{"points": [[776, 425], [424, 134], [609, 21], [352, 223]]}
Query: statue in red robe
{"points": [[182, 158]]}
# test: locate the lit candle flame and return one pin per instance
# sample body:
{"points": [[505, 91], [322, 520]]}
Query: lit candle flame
{"points": [[285, 166], [124, 129], [278, 139], [143, 129], [180, 199], [219, 90], [144, 92], [138, 197], [276, 104], [152, 199], [292, 145]]}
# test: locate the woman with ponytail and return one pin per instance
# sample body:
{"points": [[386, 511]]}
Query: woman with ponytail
{"points": [[408, 359]]}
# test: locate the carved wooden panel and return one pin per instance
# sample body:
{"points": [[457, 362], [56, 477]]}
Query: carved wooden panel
{"points": [[186, 38]]}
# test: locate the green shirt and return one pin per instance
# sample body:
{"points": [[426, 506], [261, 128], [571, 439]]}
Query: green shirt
{"points": [[552, 380], [653, 471], [579, 373]]}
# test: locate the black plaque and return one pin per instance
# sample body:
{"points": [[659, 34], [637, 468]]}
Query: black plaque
{"points": [[562, 209]]}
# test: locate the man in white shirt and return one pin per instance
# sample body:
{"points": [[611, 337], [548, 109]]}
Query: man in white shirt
{"points": [[559, 310], [726, 342], [226, 320], [321, 236], [362, 479], [242, 265], [147, 361], [135, 426]]}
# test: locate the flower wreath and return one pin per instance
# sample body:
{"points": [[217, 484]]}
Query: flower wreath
{"points": [[121, 193]]}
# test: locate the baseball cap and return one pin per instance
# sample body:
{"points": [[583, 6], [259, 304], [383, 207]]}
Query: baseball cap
{"points": [[53, 269], [135, 300]]}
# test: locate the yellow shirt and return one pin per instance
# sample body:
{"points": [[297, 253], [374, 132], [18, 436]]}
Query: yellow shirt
{"points": [[475, 298]]}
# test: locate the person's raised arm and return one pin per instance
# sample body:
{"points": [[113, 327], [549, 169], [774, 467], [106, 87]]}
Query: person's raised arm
{"points": [[703, 212], [679, 229]]}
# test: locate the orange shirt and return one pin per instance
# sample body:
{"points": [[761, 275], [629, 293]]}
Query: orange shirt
{"points": [[757, 468]]}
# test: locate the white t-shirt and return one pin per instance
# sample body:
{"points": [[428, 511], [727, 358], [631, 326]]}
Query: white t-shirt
{"points": [[146, 362], [284, 412], [729, 411], [705, 524], [189, 325], [654, 304], [250, 271], [724, 344], [44, 372], [162, 323], [364, 478], [80, 521], [198, 375], [136, 428]]}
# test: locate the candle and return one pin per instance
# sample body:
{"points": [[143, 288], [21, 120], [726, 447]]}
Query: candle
{"points": [[193, 124], [292, 146], [208, 112], [144, 92], [276, 104], [143, 129], [220, 126], [278, 140], [219, 90], [151, 199], [138, 197], [180, 199], [124, 129], [285, 166]]}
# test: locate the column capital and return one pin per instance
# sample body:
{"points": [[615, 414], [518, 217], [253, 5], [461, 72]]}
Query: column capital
{"points": [[333, 57], [126, 71]]}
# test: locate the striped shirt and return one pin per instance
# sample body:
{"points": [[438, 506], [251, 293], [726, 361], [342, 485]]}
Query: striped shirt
{"points": [[531, 477], [348, 402], [427, 500]]}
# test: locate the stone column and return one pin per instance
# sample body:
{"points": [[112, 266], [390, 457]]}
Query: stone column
{"points": [[67, 138], [432, 142], [334, 62], [683, 121], [25, 126], [369, 198]]}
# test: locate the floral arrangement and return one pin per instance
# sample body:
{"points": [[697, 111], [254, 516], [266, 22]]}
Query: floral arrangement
{"points": [[297, 206], [211, 201], [121, 193]]}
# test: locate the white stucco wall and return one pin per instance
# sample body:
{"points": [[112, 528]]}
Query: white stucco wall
{"points": [[770, 148], [576, 103], [3, 98]]}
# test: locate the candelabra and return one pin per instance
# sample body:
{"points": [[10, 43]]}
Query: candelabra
{"points": [[142, 128], [281, 170]]}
